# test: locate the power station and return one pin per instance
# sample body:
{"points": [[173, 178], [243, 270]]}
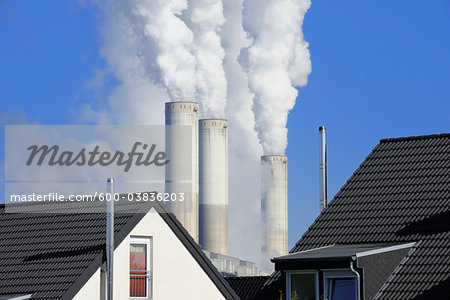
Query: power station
{"points": [[198, 150]]}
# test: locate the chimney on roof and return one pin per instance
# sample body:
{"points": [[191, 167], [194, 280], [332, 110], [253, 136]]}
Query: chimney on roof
{"points": [[110, 238], [322, 168]]}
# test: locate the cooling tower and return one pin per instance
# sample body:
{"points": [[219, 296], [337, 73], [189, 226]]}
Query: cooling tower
{"points": [[182, 171], [274, 205], [213, 175]]}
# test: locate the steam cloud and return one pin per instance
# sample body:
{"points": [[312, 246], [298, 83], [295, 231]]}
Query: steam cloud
{"points": [[277, 60], [205, 18], [240, 59], [167, 45]]}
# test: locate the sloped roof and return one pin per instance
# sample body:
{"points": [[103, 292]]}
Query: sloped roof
{"points": [[53, 253], [399, 194], [247, 286]]}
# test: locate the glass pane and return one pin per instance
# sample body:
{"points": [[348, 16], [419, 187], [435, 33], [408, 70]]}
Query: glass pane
{"points": [[303, 286], [138, 268], [343, 289], [138, 257]]}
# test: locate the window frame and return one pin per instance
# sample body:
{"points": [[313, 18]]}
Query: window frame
{"points": [[148, 241], [301, 272], [337, 273]]}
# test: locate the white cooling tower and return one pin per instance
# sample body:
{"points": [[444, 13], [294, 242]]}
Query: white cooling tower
{"points": [[274, 205], [183, 154], [213, 176]]}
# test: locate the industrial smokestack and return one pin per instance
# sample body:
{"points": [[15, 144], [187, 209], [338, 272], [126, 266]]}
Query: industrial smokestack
{"points": [[213, 175], [177, 147], [110, 237], [274, 205], [322, 168]]}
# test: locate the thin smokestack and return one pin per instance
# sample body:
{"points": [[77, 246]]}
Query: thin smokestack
{"points": [[182, 172], [274, 204], [322, 168], [213, 178], [110, 237]]}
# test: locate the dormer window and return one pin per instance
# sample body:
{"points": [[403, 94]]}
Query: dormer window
{"points": [[340, 285], [338, 272], [302, 285]]}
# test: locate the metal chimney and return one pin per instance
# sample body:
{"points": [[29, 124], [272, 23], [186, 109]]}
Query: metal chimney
{"points": [[110, 238], [322, 168]]}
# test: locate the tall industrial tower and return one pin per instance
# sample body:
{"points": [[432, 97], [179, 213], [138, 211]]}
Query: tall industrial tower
{"points": [[213, 176], [274, 204], [182, 172]]}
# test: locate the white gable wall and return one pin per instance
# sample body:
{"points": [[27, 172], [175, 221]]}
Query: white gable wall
{"points": [[91, 290], [176, 274]]}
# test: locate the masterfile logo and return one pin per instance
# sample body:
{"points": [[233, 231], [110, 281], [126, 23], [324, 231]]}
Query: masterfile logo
{"points": [[53, 156], [74, 162]]}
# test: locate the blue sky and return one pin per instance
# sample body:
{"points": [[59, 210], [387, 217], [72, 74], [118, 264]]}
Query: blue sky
{"points": [[380, 69]]}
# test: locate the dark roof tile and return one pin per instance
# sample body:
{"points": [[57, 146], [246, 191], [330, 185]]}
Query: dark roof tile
{"points": [[52, 253], [247, 286]]}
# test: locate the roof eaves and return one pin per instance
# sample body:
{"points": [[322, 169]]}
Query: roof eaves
{"points": [[385, 249], [279, 258], [15, 297]]}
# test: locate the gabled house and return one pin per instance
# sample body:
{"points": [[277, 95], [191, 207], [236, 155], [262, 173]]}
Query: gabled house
{"points": [[53, 253], [385, 235]]}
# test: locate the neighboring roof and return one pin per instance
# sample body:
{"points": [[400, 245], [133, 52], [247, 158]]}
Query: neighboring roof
{"points": [[53, 254], [399, 194], [247, 286], [331, 252]]}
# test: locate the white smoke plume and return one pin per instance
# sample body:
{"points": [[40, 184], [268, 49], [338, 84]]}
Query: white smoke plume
{"points": [[167, 43], [276, 62], [244, 149], [174, 45], [205, 19], [187, 50]]}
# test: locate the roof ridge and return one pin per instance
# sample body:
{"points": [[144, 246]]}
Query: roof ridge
{"points": [[415, 137]]}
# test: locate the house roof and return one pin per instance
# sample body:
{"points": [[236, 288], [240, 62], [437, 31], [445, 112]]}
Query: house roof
{"points": [[399, 194], [52, 254], [247, 286], [347, 252]]}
